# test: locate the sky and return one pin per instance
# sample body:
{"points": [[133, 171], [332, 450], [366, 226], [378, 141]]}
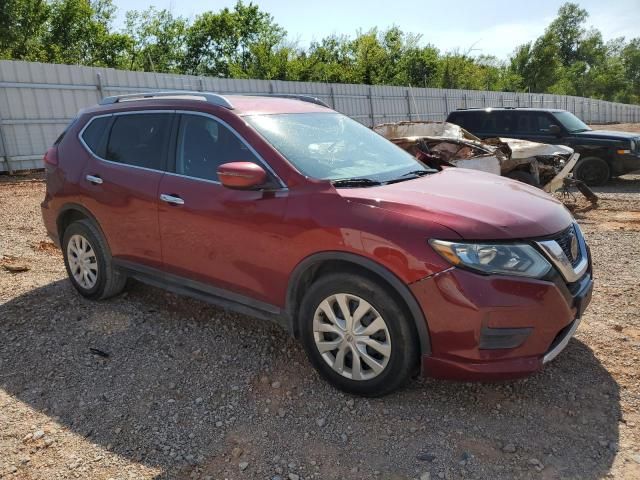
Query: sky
{"points": [[482, 27]]}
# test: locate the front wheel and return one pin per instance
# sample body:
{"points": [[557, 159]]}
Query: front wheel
{"points": [[593, 171], [524, 177], [357, 335]]}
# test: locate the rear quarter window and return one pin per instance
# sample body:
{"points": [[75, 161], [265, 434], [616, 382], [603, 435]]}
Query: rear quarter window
{"points": [[95, 135]]}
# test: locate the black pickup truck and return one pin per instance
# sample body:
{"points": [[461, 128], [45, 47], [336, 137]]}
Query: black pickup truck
{"points": [[603, 154]]}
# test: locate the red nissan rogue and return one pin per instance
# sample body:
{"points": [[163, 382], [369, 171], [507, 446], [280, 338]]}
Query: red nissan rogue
{"points": [[286, 210]]}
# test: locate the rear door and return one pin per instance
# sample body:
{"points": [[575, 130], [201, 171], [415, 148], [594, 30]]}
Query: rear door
{"points": [[214, 235], [122, 178]]}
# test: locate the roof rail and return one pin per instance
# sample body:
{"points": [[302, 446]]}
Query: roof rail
{"points": [[296, 96], [487, 108], [212, 98]]}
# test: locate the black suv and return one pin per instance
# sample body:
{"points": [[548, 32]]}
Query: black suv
{"points": [[604, 154]]}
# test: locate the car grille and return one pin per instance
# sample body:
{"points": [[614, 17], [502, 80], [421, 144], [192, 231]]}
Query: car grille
{"points": [[564, 239]]}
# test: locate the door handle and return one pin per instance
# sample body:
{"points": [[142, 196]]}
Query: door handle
{"points": [[94, 179], [171, 199]]}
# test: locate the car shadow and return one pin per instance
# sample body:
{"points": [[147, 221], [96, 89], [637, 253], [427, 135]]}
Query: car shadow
{"points": [[174, 383]]}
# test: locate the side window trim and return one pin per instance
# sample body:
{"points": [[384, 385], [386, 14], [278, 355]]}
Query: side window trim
{"points": [[166, 159], [263, 162]]}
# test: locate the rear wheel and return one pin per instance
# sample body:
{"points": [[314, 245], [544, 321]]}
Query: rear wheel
{"points": [[357, 335], [593, 171], [88, 262]]}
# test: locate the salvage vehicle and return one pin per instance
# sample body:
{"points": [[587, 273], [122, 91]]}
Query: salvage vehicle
{"points": [[449, 144], [441, 144], [286, 210], [604, 154]]}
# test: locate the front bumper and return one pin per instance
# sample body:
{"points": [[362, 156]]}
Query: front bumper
{"points": [[496, 327], [625, 163]]}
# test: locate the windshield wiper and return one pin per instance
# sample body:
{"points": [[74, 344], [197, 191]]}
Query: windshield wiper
{"points": [[411, 175], [580, 130], [355, 182]]}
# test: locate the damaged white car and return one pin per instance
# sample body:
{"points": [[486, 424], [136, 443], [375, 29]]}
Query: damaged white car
{"points": [[446, 144]]}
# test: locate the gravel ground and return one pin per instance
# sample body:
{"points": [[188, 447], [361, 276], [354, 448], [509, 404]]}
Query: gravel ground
{"points": [[153, 385]]}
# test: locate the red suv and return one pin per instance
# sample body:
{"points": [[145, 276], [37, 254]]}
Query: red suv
{"points": [[286, 210]]}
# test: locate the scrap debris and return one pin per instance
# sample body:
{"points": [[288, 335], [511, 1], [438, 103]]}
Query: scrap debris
{"points": [[13, 264]]}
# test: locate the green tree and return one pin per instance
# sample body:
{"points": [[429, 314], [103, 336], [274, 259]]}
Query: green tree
{"points": [[22, 26], [219, 43], [158, 40]]}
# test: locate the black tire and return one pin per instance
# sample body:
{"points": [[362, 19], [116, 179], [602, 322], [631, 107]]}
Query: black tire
{"points": [[524, 177], [594, 171], [403, 358], [110, 280]]}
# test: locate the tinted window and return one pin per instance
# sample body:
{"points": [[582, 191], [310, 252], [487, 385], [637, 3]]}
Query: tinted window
{"points": [[204, 144], [95, 135], [139, 140], [468, 120], [533, 122]]}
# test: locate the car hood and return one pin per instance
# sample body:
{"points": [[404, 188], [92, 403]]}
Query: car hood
{"points": [[476, 205], [607, 135]]}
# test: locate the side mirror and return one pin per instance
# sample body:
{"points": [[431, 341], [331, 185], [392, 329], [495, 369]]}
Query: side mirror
{"points": [[241, 175], [555, 130]]}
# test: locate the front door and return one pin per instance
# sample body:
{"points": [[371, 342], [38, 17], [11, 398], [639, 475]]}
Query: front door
{"points": [[212, 234]]}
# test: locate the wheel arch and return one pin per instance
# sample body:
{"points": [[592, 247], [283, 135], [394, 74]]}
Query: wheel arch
{"points": [[72, 212], [318, 264]]}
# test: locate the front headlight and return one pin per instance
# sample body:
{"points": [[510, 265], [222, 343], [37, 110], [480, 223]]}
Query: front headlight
{"points": [[522, 260]]}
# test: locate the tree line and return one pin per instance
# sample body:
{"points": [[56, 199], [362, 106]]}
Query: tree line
{"points": [[246, 42]]}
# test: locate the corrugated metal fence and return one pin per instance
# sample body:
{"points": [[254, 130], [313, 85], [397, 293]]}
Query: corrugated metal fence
{"points": [[37, 100]]}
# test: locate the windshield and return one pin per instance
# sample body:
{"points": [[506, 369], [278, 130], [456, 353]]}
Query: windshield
{"points": [[331, 146], [571, 122]]}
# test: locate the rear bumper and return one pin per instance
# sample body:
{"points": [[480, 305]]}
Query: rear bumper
{"points": [[493, 328]]}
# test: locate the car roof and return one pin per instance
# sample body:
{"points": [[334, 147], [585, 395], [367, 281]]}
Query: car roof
{"points": [[238, 104]]}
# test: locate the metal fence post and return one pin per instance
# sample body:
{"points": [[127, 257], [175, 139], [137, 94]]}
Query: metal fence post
{"points": [[484, 100], [409, 104], [200, 84], [464, 98], [3, 146], [333, 97], [502, 100], [446, 105], [373, 116], [99, 86]]}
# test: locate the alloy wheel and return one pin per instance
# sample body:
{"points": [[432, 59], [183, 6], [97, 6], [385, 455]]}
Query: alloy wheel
{"points": [[351, 336], [83, 262]]}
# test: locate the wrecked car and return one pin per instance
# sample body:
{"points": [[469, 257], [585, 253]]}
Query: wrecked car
{"points": [[446, 144]]}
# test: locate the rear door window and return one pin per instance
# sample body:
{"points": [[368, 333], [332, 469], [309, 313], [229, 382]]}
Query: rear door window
{"points": [[140, 139]]}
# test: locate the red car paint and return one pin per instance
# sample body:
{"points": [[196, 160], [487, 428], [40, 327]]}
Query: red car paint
{"points": [[254, 243]]}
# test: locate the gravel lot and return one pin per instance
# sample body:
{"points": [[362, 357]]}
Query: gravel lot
{"points": [[175, 388]]}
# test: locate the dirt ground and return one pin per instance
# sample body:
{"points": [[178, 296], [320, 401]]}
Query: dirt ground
{"points": [[620, 127], [152, 385]]}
